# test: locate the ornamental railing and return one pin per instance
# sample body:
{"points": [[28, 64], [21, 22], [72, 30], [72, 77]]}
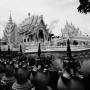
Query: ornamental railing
{"points": [[34, 48]]}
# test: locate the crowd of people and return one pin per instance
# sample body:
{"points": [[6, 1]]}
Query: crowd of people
{"points": [[26, 73]]}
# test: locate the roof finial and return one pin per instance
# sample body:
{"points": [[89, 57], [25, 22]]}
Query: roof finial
{"points": [[29, 14], [42, 17], [10, 18], [66, 22]]}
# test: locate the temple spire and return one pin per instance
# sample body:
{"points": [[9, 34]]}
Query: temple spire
{"points": [[10, 18]]}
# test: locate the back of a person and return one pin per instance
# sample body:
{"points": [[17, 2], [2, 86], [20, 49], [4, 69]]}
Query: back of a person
{"points": [[22, 82], [42, 88], [25, 86], [8, 79]]}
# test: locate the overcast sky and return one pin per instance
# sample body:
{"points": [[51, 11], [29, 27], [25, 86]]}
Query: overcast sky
{"points": [[53, 11]]}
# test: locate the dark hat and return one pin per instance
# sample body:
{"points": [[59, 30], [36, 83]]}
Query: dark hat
{"points": [[9, 70], [21, 75]]}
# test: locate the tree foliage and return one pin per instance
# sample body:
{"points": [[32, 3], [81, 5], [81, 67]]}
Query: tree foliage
{"points": [[75, 42], [84, 6]]}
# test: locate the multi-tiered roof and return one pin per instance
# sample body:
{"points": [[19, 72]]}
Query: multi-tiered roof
{"points": [[30, 24], [70, 30]]}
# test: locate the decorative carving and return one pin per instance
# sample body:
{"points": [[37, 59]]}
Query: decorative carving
{"points": [[31, 27], [9, 29], [10, 32]]}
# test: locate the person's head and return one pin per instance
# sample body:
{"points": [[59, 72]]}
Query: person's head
{"points": [[2, 68], [9, 70], [21, 75]]}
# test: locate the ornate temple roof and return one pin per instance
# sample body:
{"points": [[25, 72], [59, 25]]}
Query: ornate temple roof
{"points": [[10, 29], [70, 30], [9, 26], [30, 23]]}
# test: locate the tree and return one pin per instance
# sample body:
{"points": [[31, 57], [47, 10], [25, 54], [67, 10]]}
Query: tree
{"points": [[84, 6], [50, 36], [75, 42], [20, 49], [68, 49], [39, 50], [9, 52]]}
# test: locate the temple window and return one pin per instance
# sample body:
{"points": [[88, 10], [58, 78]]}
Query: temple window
{"points": [[24, 40], [27, 39], [31, 37], [58, 43], [21, 41]]}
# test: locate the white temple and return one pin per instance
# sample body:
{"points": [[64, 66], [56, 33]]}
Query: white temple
{"points": [[10, 33], [74, 35], [70, 31], [33, 31]]}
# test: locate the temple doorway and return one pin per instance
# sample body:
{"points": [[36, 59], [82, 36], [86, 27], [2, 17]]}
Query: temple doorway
{"points": [[41, 35]]}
